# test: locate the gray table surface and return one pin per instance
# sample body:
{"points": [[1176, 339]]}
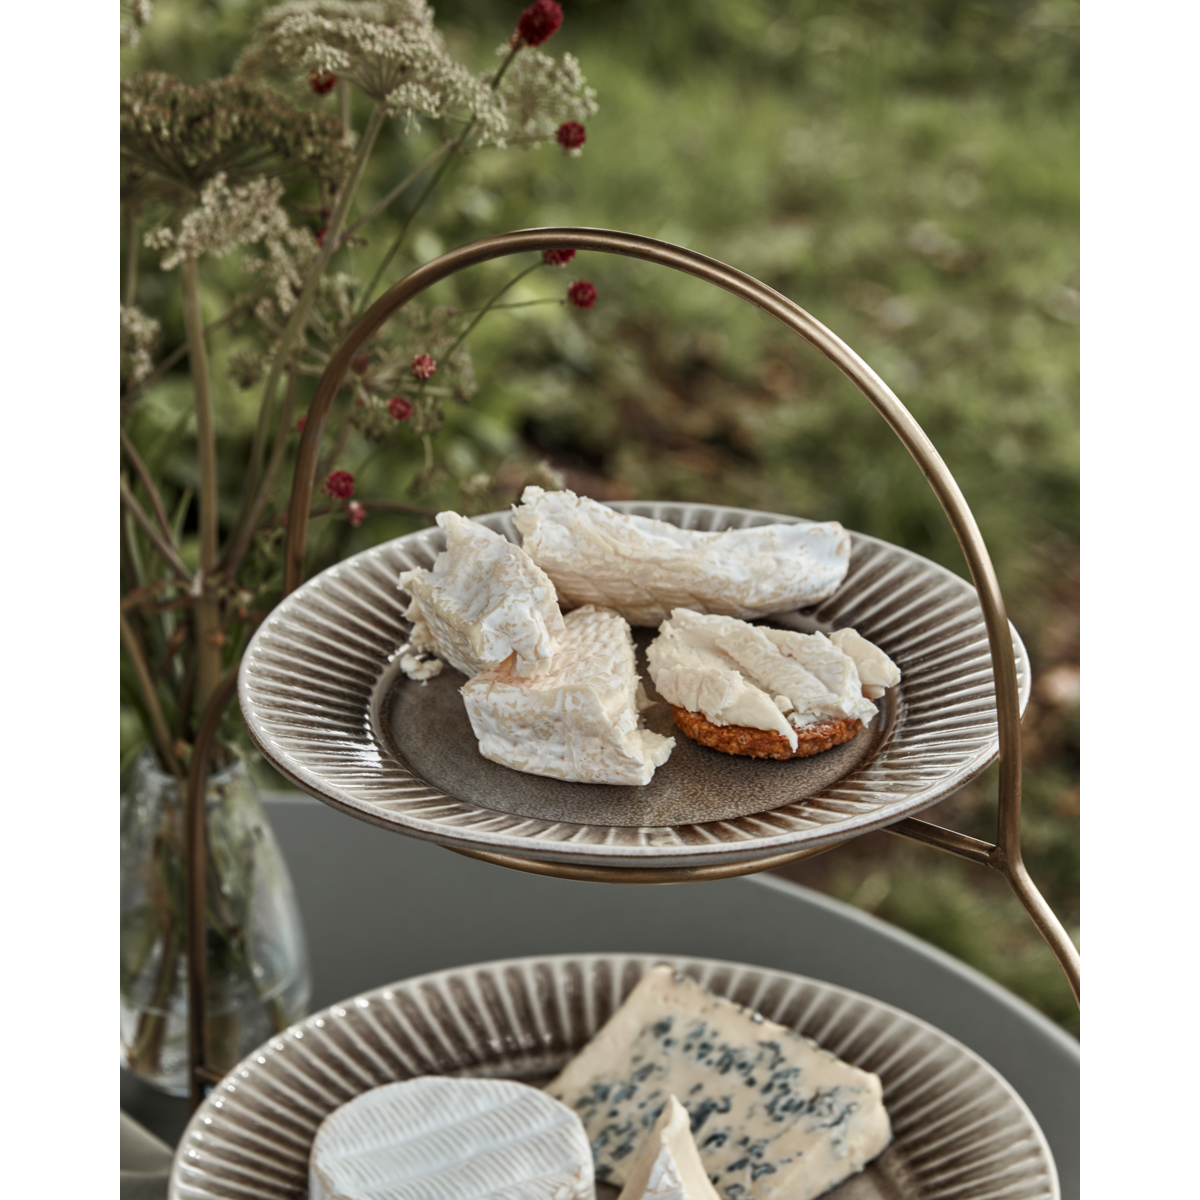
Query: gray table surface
{"points": [[379, 907]]}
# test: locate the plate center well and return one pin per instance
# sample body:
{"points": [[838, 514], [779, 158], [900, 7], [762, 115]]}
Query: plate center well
{"points": [[426, 727]]}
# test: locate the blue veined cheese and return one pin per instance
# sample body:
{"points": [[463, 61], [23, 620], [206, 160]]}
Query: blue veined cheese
{"points": [[644, 568], [579, 719], [773, 1115], [483, 602], [777, 679], [435, 1138], [669, 1167]]}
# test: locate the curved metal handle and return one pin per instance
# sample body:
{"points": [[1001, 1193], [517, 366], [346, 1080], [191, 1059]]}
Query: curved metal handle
{"points": [[1005, 855]]}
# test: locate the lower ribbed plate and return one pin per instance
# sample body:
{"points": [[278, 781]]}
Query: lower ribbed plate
{"points": [[960, 1130], [324, 699]]}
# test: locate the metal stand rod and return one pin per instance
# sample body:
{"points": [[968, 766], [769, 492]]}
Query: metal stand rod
{"points": [[1005, 856]]}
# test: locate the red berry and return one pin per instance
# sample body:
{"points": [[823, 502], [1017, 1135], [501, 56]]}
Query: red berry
{"points": [[300, 423], [581, 294], [570, 135], [355, 513], [422, 367], [399, 408], [322, 82], [539, 22], [359, 364], [320, 235], [557, 258], [339, 485]]}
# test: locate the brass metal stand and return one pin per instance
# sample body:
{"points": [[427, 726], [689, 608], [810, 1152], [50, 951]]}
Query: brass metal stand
{"points": [[1004, 855]]}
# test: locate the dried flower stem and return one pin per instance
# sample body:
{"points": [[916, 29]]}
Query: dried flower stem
{"points": [[400, 187], [453, 149], [148, 483], [483, 312], [158, 723], [169, 554], [131, 258], [273, 465], [255, 495], [208, 614]]}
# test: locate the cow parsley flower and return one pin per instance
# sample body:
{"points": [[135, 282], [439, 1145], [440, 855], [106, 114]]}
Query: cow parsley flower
{"points": [[139, 338], [243, 216], [388, 48], [540, 94]]}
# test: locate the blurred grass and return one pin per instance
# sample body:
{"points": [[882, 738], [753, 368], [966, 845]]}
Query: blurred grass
{"points": [[906, 171]]}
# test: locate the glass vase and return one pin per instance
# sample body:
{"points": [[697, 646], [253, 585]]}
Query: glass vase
{"points": [[258, 972]]}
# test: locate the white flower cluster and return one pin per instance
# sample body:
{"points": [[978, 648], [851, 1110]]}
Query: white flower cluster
{"points": [[139, 13], [388, 48], [139, 337], [243, 216], [540, 93]]}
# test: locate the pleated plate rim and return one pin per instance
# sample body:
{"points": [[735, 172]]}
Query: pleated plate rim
{"points": [[930, 753], [242, 1138]]}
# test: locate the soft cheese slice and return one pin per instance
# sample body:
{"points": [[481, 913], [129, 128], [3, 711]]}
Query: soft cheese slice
{"points": [[644, 568], [669, 1167], [578, 720], [875, 669], [484, 600], [434, 1138], [777, 679], [774, 1116]]}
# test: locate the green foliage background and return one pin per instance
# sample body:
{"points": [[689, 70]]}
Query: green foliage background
{"points": [[904, 169]]}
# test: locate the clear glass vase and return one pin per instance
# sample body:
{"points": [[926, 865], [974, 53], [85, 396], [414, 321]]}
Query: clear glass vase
{"points": [[258, 973]]}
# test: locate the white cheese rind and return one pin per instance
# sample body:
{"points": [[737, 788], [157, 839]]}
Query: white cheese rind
{"points": [[669, 1167], [578, 720], [644, 568], [483, 601], [777, 679], [435, 1138], [774, 1116]]}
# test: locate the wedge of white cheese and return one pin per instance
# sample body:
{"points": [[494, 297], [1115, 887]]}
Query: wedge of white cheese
{"points": [[644, 568], [435, 1138], [740, 674], [578, 720], [483, 602], [669, 1167], [773, 1115]]}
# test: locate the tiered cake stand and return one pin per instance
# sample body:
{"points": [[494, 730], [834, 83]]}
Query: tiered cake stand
{"points": [[326, 704]]}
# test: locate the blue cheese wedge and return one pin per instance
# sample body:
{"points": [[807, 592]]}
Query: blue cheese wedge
{"points": [[645, 568], [669, 1167], [578, 720], [773, 1115], [749, 675], [483, 603], [434, 1138]]}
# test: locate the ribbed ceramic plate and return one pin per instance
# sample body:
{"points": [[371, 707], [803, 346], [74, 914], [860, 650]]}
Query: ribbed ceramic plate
{"points": [[960, 1130], [324, 698]]}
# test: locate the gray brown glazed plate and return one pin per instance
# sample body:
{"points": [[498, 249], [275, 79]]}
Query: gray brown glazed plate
{"points": [[960, 1130], [325, 700]]}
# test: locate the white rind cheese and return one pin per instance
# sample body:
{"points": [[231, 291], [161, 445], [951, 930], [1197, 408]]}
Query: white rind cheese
{"points": [[773, 1115], [644, 568], [579, 719], [483, 601], [669, 1167], [435, 1138], [740, 674]]}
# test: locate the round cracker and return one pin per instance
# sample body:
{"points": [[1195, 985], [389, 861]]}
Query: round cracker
{"points": [[766, 743]]}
